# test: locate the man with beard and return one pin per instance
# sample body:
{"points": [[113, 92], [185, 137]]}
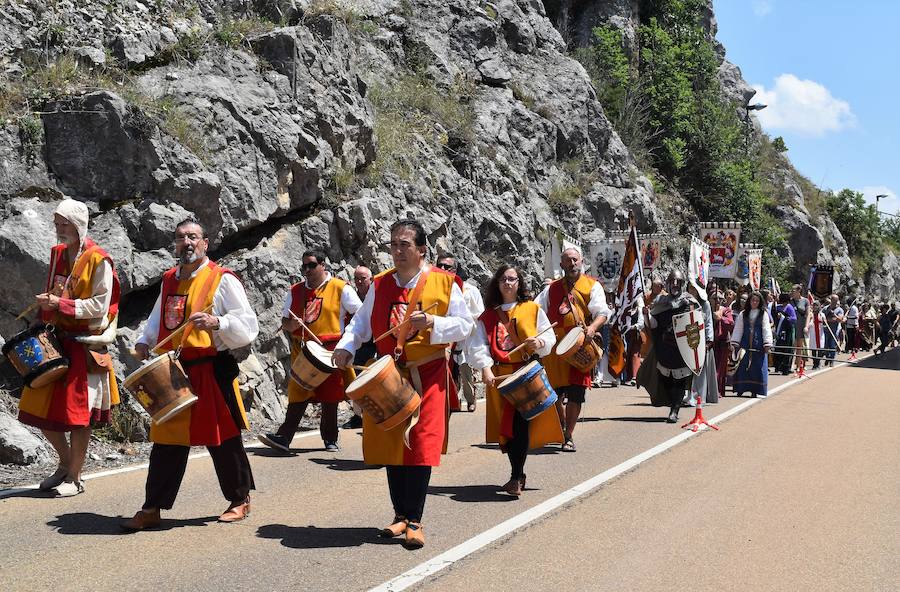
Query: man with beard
{"points": [[194, 286], [674, 376], [419, 342], [81, 301], [570, 301]]}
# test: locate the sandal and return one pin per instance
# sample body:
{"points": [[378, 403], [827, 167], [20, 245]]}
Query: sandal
{"points": [[568, 445]]}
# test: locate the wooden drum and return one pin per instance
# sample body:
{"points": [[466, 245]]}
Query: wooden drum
{"points": [[37, 355], [161, 387], [528, 390], [577, 351], [387, 397], [312, 366]]}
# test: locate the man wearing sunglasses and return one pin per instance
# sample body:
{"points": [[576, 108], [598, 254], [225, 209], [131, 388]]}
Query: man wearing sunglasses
{"points": [[419, 343], [462, 372], [323, 302]]}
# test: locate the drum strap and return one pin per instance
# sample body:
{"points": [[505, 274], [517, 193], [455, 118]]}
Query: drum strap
{"points": [[416, 379], [410, 307], [202, 296]]}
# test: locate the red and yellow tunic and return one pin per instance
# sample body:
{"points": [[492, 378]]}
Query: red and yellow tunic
{"points": [[64, 404], [567, 309], [503, 338], [430, 377], [218, 414], [320, 310]]}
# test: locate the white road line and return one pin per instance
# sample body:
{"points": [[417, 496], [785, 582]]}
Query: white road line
{"points": [[130, 468], [466, 548]]}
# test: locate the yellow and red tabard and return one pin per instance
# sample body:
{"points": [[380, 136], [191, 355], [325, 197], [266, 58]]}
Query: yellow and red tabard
{"points": [[567, 308], [218, 414], [503, 336], [63, 405], [320, 310], [428, 438]]}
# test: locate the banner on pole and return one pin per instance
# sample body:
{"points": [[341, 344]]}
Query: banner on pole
{"points": [[629, 301], [821, 280], [559, 242], [606, 260], [723, 239], [698, 266], [754, 264], [651, 248]]}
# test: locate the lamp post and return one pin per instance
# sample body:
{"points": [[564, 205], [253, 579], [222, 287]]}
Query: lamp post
{"points": [[747, 109]]}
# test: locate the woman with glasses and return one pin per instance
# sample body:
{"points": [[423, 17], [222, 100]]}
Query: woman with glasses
{"points": [[511, 318]]}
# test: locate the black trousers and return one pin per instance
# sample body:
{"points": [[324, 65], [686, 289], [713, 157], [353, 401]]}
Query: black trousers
{"points": [[328, 427], [408, 486], [674, 388], [517, 448], [169, 461]]}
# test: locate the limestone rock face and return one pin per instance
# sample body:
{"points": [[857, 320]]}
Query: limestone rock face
{"points": [[17, 445]]}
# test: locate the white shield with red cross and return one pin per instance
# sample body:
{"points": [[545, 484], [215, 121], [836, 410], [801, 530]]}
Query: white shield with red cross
{"points": [[691, 340]]}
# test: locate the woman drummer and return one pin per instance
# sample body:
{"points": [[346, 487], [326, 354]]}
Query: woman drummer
{"points": [[511, 319]]}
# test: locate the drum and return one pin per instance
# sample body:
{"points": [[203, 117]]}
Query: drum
{"points": [[734, 359], [387, 397], [161, 387], [37, 355], [581, 354], [528, 390], [312, 366]]}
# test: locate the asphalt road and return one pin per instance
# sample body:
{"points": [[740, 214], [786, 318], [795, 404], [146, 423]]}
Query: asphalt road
{"points": [[798, 492]]}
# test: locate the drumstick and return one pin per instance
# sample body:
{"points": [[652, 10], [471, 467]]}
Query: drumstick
{"points": [[521, 345], [27, 310], [403, 324], [178, 330], [360, 368], [305, 328]]}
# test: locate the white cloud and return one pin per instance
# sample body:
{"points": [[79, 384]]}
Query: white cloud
{"points": [[802, 106], [889, 204], [762, 7]]}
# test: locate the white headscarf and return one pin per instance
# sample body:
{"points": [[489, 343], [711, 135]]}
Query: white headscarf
{"points": [[76, 213]]}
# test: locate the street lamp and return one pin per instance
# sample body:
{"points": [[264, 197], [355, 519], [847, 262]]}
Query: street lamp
{"points": [[755, 107], [878, 198], [747, 109]]}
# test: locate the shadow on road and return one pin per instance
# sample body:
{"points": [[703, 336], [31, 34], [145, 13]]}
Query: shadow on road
{"points": [[471, 493], [886, 361], [344, 464], [270, 453], [637, 419], [90, 523], [313, 537]]}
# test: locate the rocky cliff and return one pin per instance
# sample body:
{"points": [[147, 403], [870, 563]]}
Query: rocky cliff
{"points": [[284, 125]]}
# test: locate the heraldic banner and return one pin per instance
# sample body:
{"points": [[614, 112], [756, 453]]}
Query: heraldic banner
{"points": [[606, 261], [629, 298], [821, 280], [723, 239], [559, 242], [698, 266], [651, 248], [754, 266]]}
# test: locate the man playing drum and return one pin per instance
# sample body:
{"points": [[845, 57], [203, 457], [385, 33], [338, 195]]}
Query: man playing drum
{"points": [[570, 301], [196, 285], [322, 302], [82, 299], [511, 320], [420, 346]]}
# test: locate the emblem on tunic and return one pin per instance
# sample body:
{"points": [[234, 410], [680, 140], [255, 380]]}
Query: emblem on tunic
{"points": [[312, 311], [176, 305], [398, 311], [504, 339], [565, 307], [58, 284]]}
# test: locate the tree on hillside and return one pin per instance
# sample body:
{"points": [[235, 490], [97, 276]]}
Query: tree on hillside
{"points": [[859, 225]]}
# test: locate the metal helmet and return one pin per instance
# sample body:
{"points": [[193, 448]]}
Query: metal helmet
{"points": [[675, 283]]}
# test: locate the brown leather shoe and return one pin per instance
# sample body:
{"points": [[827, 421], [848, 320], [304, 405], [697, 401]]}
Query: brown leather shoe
{"points": [[415, 536], [236, 511], [395, 529], [143, 520], [513, 487]]}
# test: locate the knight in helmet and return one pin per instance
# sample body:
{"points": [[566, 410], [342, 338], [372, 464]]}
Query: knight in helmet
{"points": [[673, 374]]}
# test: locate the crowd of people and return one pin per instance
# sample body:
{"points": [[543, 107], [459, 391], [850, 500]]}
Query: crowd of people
{"points": [[536, 355]]}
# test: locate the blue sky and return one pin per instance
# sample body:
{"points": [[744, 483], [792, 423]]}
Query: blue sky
{"points": [[828, 69]]}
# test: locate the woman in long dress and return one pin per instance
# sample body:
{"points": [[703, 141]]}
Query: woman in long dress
{"points": [[753, 333]]}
